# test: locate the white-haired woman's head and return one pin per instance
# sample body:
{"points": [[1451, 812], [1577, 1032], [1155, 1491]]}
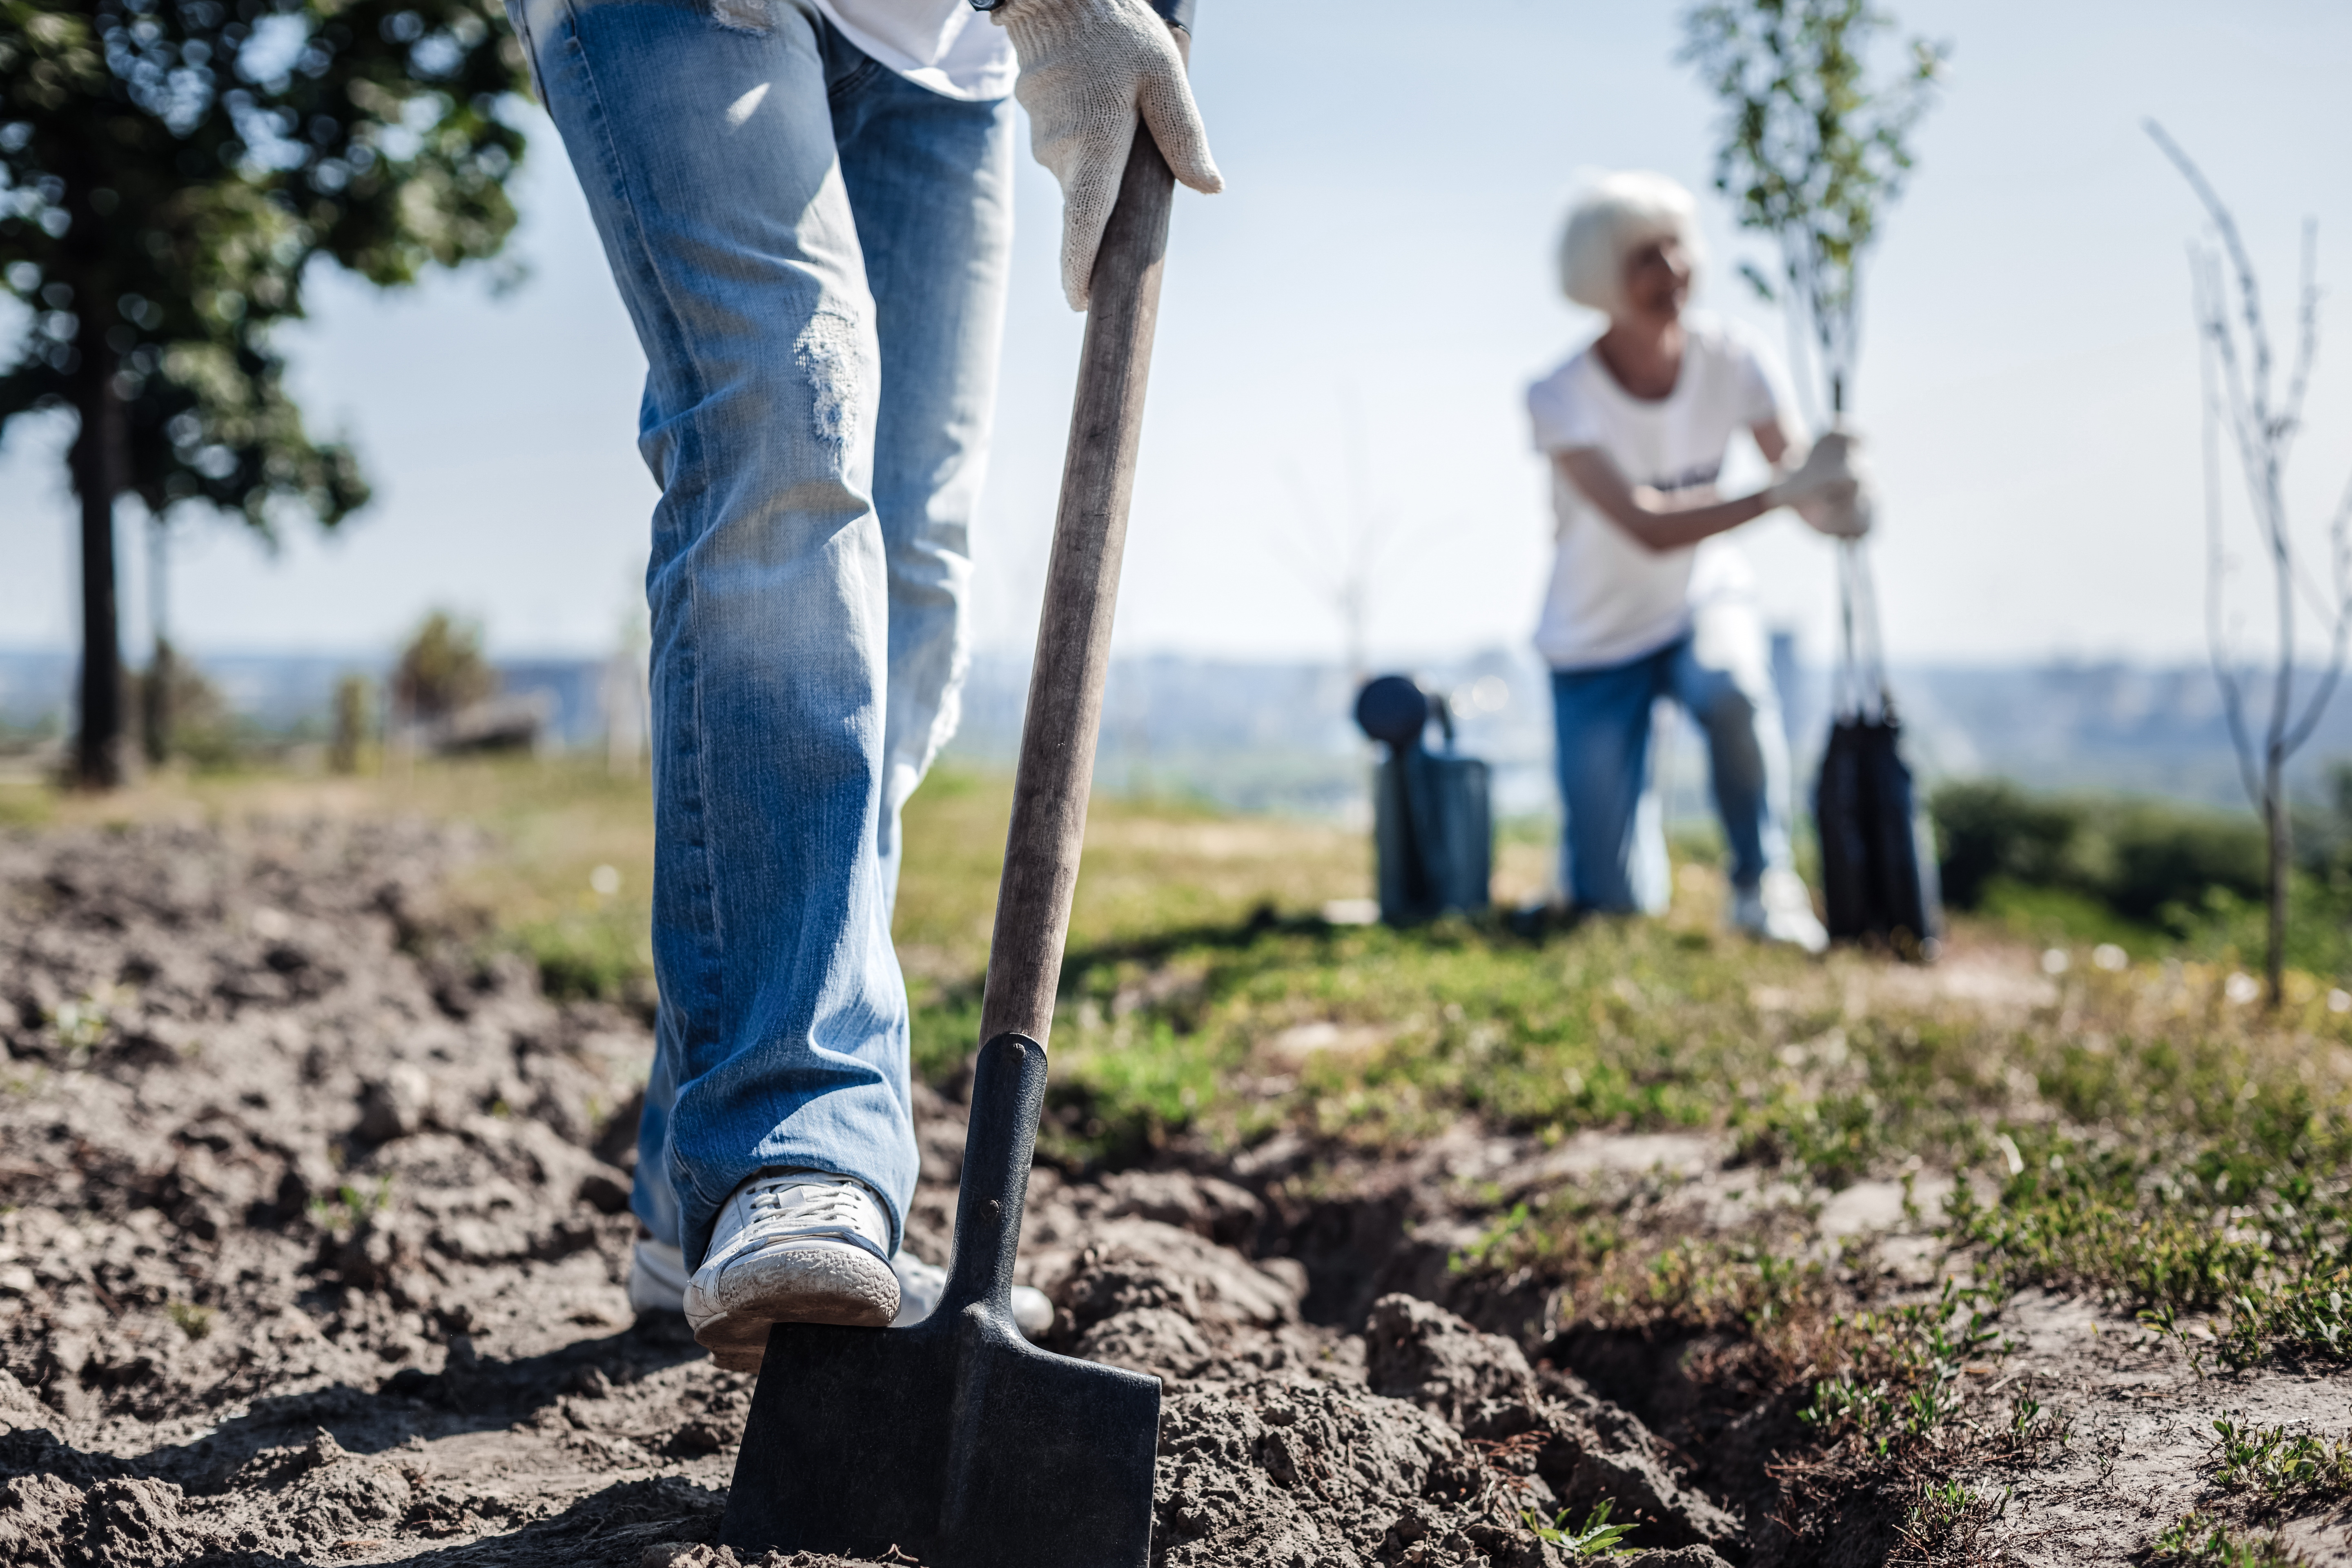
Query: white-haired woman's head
{"points": [[1629, 218]]}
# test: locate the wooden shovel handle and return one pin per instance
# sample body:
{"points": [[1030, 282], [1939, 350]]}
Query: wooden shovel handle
{"points": [[1066, 685]]}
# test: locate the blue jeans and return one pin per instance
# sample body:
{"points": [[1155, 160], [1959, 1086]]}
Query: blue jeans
{"points": [[814, 253], [1613, 840]]}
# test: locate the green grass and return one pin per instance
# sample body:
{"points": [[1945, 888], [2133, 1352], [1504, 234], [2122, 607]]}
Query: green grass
{"points": [[2064, 918], [1904, 1366], [2266, 1473], [1596, 1540], [343, 1214], [191, 1320], [2279, 1466], [2205, 1541], [2199, 1171]]}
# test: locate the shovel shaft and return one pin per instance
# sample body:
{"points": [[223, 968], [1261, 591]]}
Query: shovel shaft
{"points": [[1066, 685]]}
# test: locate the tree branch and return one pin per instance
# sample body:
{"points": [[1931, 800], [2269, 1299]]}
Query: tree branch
{"points": [[2217, 636]]}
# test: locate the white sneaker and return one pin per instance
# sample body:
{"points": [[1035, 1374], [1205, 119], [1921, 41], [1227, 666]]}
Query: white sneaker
{"points": [[922, 1284], [658, 1276], [1780, 909], [800, 1247]]}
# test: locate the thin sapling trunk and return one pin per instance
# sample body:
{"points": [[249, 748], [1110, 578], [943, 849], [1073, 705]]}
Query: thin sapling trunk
{"points": [[2237, 367]]}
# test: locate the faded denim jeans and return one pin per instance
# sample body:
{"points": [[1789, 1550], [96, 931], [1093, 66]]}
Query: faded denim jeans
{"points": [[1613, 837], [814, 253]]}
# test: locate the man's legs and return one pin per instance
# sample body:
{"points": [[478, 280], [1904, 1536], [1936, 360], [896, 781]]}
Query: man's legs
{"points": [[707, 152], [1722, 676], [1612, 841], [931, 181]]}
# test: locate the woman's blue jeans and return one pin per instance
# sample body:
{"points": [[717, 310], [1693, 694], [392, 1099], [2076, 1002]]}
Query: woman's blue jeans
{"points": [[1612, 839], [814, 253]]}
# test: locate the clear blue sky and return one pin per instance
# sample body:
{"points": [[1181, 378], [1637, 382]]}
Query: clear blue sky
{"points": [[1376, 281]]}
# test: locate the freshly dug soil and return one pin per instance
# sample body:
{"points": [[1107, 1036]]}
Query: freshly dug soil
{"points": [[316, 1238]]}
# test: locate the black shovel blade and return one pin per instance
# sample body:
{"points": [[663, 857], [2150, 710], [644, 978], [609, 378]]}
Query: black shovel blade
{"points": [[956, 1441]]}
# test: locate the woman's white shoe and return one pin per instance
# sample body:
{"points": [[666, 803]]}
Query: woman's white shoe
{"points": [[1780, 909]]}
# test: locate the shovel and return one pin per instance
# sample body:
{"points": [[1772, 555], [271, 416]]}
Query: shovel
{"points": [[956, 1441]]}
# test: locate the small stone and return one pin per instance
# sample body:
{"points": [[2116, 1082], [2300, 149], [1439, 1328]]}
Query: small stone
{"points": [[395, 1105]]}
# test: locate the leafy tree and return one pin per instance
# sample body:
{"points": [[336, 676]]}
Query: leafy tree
{"points": [[168, 171], [1813, 151], [196, 720], [442, 670]]}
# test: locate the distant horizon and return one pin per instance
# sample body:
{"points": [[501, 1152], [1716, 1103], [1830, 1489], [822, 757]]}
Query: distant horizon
{"points": [[135, 656]]}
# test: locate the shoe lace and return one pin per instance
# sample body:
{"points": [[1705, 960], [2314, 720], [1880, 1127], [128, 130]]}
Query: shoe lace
{"points": [[800, 1201]]}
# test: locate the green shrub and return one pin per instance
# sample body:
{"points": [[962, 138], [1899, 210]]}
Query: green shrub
{"points": [[2157, 854], [2143, 859], [1990, 829]]}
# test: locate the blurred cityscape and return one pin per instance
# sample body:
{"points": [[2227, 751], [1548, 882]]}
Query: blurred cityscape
{"points": [[1278, 737]]}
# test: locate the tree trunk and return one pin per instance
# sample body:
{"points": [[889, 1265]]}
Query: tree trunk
{"points": [[97, 464], [155, 691], [155, 705], [2281, 851]]}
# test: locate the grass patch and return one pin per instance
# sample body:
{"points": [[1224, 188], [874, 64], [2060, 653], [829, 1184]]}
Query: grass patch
{"points": [[2200, 1540], [2206, 1186], [593, 954], [190, 1318], [1372, 1038], [2280, 1466], [341, 1215], [1902, 1383], [2066, 917], [1596, 1540], [2269, 1472]]}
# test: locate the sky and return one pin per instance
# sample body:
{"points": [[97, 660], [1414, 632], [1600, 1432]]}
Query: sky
{"points": [[1347, 338]]}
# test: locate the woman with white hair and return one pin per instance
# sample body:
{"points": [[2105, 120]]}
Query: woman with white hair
{"points": [[1647, 599]]}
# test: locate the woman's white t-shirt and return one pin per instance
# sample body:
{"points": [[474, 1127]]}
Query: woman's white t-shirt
{"points": [[944, 44], [1613, 598]]}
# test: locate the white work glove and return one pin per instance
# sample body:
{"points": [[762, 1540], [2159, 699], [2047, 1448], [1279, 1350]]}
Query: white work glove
{"points": [[1848, 519], [1088, 68], [1825, 483]]}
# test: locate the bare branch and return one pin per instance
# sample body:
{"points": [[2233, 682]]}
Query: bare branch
{"points": [[2306, 339], [2340, 538], [2217, 635], [2241, 263]]}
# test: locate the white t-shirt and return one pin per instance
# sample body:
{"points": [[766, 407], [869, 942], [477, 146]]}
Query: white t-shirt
{"points": [[1613, 598], [944, 44]]}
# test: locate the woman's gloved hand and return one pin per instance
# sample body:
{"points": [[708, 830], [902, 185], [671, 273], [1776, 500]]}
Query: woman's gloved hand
{"points": [[1827, 472], [1846, 518], [1088, 68], [1847, 503], [1831, 489]]}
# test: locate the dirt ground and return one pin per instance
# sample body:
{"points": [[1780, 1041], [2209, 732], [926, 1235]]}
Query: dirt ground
{"points": [[316, 1233]]}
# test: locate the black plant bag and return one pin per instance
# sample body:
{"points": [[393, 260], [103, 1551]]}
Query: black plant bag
{"points": [[1878, 866]]}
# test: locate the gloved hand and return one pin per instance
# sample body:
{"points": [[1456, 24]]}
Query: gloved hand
{"points": [[1827, 473], [1088, 68], [1850, 518], [1846, 507]]}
